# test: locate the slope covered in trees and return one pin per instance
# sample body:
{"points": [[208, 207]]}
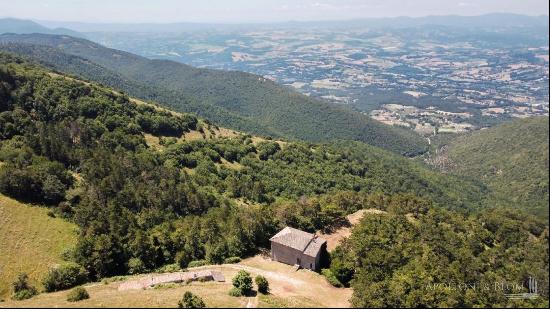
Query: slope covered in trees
{"points": [[512, 159], [419, 256], [237, 100], [80, 149]]}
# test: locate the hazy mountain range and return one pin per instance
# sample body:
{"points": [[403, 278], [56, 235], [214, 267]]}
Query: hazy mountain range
{"points": [[489, 20], [495, 20], [14, 25]]}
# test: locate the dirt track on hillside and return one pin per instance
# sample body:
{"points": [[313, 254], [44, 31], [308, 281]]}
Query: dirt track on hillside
{"points": [[285, 282], [335, 238]]}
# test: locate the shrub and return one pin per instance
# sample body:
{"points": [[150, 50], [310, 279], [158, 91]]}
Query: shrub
{"points": [[243, 282], [262, 284], [77, 294], [342, 271], [136, 266], [331, 278], [191, 300], [183, 259], [67, 254], [197, 263], [64, 277], [25, 294], [232, 260], [21, 288], [215, 252], [267, 149], [235, 292], [169, 268], [114, 279], [165, 286], [167, 141]]}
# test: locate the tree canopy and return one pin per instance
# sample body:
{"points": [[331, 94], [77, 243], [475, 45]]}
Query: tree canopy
{"points": [[81, 149]]}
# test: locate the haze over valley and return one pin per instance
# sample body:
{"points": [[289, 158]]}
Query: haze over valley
{"points": [[427, 74]]}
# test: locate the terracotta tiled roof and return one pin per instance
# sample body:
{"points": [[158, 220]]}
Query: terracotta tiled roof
{"points": [[302, 241]]}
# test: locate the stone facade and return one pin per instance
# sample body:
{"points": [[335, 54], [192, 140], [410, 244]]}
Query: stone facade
{"points": [[295, 247]]}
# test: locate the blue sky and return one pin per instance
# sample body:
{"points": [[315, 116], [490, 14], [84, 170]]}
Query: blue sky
{"points": [[236, 11]]}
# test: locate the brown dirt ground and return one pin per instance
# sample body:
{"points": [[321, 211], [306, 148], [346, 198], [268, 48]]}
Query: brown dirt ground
{"points": [[289, 288], [335, 238]]}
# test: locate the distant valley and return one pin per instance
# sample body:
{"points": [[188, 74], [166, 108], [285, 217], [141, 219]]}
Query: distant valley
{"points": [[237, 100], [449, 77]]}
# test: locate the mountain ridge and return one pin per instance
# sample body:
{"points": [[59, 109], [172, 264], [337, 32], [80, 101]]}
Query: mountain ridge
{"points": [[510, 158], [489, 19], [238, 100], [21, 26]]}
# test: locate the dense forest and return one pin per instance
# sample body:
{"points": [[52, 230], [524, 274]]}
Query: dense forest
{"points": [[416, 255], [237, 100], [81, 149], [511, 159]]}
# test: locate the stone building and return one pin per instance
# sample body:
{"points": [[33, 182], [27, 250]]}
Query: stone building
{"points": [[295, 247]]}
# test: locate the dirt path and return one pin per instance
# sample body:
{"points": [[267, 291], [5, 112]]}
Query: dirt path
{"points": [[252, 303], [268, 274], [287, 283], [288, 288], [335, 238]]}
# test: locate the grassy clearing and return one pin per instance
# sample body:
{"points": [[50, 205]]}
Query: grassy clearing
{"points": [[153, 141], [30, 241], [272, 301], [231, 165], [214, 295], [289, 289], [209, 132]]}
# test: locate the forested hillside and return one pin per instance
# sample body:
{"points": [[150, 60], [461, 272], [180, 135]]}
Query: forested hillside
{"points": [[418, 256], [237, 100], [86, 152], [512, 159], [81, 149]]}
